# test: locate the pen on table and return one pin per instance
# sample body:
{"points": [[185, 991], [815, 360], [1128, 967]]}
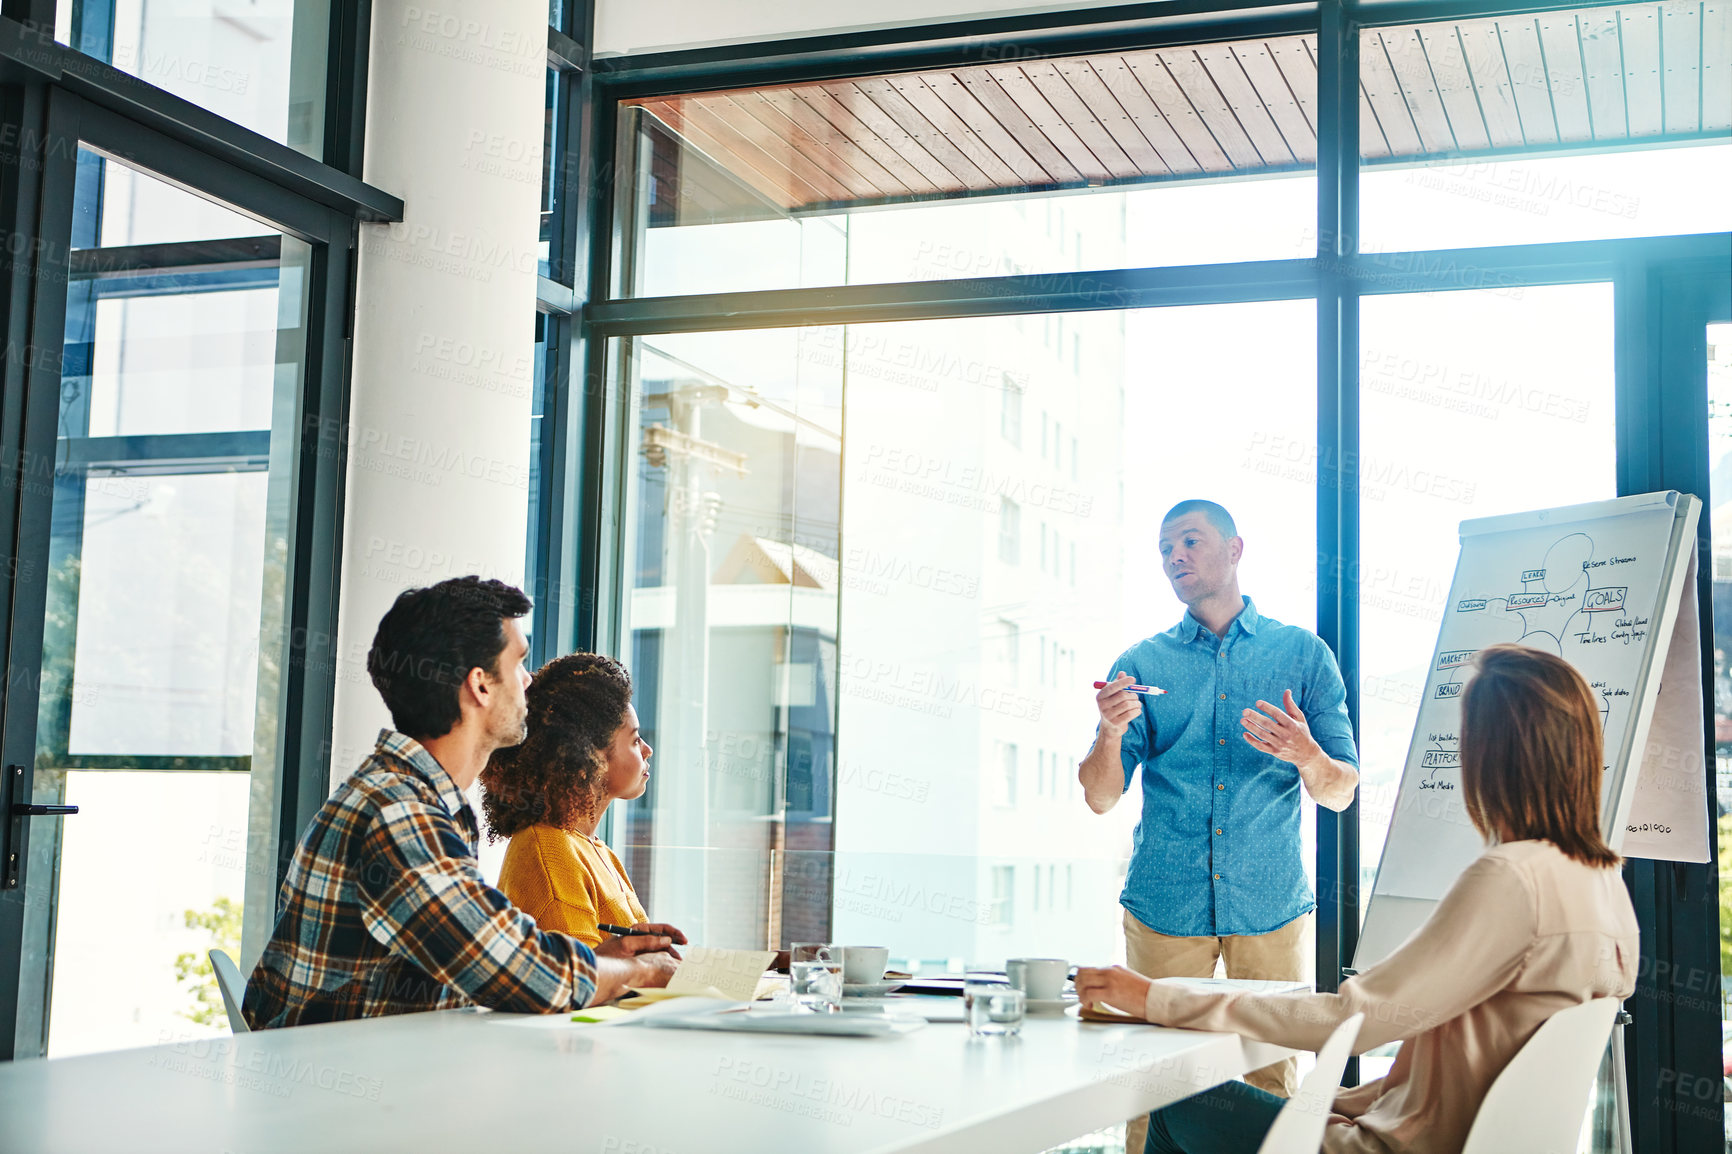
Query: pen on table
{"points": [[1150, 690], [624, 931]]}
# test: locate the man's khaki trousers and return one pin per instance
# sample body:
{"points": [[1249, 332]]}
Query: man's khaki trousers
{"points": [[1282, 955]]}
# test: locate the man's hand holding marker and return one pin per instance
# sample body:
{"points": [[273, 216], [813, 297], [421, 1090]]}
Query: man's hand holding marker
{"points": [[1117, 701]]}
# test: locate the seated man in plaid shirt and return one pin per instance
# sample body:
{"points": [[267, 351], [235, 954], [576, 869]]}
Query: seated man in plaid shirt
{"points": [[384, 910]]}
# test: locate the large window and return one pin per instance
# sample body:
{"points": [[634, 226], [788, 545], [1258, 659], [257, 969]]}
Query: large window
{"points": [[161, 661], [851, 671], [884, 509], [257, 63], [1473, 403]]}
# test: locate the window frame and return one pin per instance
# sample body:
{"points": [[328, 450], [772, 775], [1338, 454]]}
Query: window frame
{"points": [[1654, 394], [54, 100]]}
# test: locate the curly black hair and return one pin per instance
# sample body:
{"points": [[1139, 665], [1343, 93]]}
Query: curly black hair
{"points": [[576, 704]]}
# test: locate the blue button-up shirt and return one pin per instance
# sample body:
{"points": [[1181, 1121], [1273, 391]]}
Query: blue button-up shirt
{"points": [[1216, 852]]}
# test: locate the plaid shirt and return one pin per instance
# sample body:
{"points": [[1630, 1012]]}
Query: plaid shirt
{"points": [[384, 911]]}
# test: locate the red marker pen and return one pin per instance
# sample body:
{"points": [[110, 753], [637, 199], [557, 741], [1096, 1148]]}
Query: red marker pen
{"points": [[1145, 689]]}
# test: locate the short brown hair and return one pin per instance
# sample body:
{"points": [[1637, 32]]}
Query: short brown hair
{"points": [[1213, 513], [576, 704], [1531, 753]]}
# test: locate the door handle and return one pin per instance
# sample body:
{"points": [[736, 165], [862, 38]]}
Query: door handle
{"points": [[12, 815]]}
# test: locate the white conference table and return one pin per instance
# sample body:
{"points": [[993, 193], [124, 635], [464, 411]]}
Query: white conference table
{"points": [[474, 1081]]}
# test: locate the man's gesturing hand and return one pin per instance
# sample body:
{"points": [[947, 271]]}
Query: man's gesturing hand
{"points": [[1281, 731], [1118, 706]]}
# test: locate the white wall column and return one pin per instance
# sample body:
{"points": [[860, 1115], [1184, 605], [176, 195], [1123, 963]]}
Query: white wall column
{"points": [[438, 469]]}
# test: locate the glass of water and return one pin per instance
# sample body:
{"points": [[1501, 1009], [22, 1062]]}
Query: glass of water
{"points": [[993, 1006], [816, 968]]}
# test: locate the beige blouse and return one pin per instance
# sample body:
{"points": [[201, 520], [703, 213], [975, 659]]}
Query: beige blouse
{"points": [[1524, 932]]}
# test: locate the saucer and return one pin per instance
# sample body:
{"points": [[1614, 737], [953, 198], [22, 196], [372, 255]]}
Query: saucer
{"points": [[868, 989], [1050, 1003]]}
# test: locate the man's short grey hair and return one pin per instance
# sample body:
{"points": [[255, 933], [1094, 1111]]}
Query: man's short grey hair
{"points": [[1216, 515]]}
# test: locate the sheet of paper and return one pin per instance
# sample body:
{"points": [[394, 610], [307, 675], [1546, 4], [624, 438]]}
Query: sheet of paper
{"points": [[733, 974], [1669, 813], [600, 1014]]}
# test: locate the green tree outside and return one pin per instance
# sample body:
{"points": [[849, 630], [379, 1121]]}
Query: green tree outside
{"points": [[193, 970]]}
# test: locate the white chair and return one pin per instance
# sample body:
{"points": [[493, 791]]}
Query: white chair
{"points": [[1298, 1128], [1538, 1104], [232, 987]]}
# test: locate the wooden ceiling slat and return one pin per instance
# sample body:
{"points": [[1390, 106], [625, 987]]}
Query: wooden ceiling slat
{"points": [[1603, 66], [1115, 73], [839, 143], [883, 93], [1016, 85], [1167, 96], [1247, 106], [981, 85], [1681, 60], [1092, 90], [778, 125], [1454, 85], [1372, 143], [1192, 76], [1491, 83], [1563, 55], [1662, 68], [1297, 59], [1716, 67], [967, 107], [700, 130], [953, 128], [1406, 57], [1639, 30], [1380, 86], [1045, 76], [864, 137], [1273, 90], [776, 146], [891, 134], [1520, 37]]}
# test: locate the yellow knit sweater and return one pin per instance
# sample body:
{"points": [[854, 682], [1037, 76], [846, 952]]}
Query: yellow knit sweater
{"points": [[568, 883]]}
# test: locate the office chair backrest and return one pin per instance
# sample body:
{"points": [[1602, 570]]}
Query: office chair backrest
{"points": [[232, 987], [1298, 1128], [1538, 1104]]}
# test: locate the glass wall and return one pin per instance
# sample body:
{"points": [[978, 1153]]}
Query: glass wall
{"points": [[1472, 404], [1514, 120], [258, 63], [766, 188], [880, 477], [163, 635], [880, 643]]}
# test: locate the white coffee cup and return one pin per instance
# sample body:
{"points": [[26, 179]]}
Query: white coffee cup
{"points": [[1042, 979], [863, 965]]}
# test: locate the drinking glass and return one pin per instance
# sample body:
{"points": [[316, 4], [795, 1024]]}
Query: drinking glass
{"points": [[993, 1007], [816, 969]]}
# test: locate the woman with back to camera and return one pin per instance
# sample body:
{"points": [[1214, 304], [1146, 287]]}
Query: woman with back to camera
{"points": [[583, 749], [1539, 922]]}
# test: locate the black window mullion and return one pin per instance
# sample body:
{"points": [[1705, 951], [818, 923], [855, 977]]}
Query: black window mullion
{"points": [[42, 173], [1673, 1042], [1337, 459]]}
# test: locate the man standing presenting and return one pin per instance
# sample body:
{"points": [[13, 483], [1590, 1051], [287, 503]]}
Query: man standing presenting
{"points": [[1253, 711]]}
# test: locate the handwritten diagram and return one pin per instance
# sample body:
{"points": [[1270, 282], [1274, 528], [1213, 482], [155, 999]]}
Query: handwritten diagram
{"points": [[1598, 585], [1583, 588], [1566, 605]]}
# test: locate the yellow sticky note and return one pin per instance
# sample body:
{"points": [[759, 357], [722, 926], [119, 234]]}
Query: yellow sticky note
{"points": [[600, 1014]]}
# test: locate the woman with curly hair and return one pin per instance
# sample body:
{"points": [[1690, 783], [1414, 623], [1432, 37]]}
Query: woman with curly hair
{"points": [[583, 749]]}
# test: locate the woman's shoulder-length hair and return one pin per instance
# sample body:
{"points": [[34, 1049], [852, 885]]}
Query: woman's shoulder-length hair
{"points": [[1532, 758]]}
